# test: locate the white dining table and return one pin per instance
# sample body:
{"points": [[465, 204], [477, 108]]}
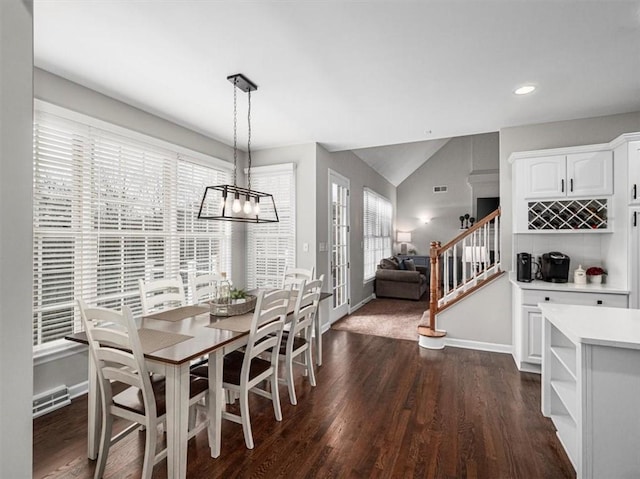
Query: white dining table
{"points": [[174, 362]]}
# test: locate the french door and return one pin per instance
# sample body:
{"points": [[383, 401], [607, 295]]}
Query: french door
{"points": [[339, 244]]}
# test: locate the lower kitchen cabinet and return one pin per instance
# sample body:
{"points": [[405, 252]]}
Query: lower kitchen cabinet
{"points": [[527, 318]]}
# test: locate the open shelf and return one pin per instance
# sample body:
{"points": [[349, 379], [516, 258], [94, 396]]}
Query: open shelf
{"points": [[580, 215], [567, 358], [567, 394]]}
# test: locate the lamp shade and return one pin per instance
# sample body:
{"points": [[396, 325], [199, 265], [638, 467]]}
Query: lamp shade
{"points": [[404, 237]]}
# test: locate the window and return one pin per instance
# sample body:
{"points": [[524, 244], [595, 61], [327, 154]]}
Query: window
{"points": [[272, 246], [110, 207], [377, 231]]}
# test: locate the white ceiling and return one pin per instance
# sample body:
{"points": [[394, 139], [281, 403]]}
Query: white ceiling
{"points": [[350, 74]]}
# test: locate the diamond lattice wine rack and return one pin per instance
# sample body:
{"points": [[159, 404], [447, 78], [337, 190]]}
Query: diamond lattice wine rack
{"points": [[568, 215]]}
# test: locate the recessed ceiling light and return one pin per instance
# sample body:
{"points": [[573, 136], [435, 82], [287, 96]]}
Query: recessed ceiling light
{"points": [[523, 90]]}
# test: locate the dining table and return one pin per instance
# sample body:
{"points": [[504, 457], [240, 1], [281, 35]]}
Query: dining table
{"points": [[171, 340]]}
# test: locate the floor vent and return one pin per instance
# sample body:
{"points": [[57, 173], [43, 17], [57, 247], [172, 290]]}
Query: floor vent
{"points": [[50, 401]]}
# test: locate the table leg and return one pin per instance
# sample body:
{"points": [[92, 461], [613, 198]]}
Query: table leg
{"points": [[318, 337], [216, 401], [94, 418], [177, 419]]}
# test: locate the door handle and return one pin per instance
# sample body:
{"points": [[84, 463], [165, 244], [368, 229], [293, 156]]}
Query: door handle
{"points": [[571, 184], [562, 185], [635, 218]]}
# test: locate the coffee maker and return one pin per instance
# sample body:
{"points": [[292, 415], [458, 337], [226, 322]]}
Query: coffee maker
{"points": [[555, 267], [523, 270]]}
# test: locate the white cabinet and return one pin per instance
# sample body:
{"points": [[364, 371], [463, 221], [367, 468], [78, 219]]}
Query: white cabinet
{"points": [[573, 175], [634, 172], [590, 387], [634, 257], [527, 326]]}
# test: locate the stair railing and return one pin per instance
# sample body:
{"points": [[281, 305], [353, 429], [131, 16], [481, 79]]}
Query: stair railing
{"points": [[463, 265]]}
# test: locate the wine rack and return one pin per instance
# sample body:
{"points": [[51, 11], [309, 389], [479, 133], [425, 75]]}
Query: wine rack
{"points": [[567, 215]]}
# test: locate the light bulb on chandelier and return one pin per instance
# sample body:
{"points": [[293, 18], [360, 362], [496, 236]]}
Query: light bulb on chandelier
{"points": [[247, 206]]}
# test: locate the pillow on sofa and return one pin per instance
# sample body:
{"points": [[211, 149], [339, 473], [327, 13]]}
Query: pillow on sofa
{"points": [[388, 263], [409, 265], [402, 266]]}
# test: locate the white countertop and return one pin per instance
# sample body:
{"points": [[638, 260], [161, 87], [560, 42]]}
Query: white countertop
{"points": [[614, 327], [568, 287]]}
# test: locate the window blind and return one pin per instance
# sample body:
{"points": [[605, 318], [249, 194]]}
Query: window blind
{"points": [[272, 246], [377, 229], [109, 209]]}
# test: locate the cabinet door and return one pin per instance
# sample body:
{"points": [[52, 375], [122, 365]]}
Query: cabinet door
{"points": [[634, 258], [590, 174], [531, 335], [544, 177], [634, 172]]}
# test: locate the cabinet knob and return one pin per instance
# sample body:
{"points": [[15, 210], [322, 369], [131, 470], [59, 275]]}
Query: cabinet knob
{"points": [[546, 298], [599, 301]]}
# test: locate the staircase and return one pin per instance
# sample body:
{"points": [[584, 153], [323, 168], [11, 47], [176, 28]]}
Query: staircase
{"points": [[459, 268]]}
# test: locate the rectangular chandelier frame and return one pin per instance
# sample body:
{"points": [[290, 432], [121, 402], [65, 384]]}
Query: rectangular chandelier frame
{"points": [[227, 214]]}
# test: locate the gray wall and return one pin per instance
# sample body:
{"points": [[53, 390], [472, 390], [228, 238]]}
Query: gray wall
{"points": [[16, 213], [360, 175], [68, 369], [450, 166], [304, 157]]}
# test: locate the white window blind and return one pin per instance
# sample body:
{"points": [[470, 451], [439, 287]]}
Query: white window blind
{"points": [[377, 231], [272, 246], [110, 208]]}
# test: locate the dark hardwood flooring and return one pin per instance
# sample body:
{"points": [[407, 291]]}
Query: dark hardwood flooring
{"points": [[382, 408]]}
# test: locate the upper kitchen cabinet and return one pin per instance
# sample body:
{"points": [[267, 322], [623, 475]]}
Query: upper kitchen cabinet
{"points": [[581, 174], [633, 152]]}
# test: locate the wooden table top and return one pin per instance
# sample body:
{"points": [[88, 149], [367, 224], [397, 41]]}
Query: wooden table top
{"points": [[204, 339]]}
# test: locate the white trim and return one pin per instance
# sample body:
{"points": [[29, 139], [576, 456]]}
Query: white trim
{"points": [[332, 173], [56, 350], [479, 345], [374, 192], [206, 160], [361, 304], [78, 390], [558, 151]]}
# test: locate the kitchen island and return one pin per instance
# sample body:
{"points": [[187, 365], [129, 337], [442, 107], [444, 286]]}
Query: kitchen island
{"points": [[591, 386]]}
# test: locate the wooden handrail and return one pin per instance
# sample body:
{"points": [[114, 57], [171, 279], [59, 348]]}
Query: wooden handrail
{"points": [[436, 250], [471, 230]]}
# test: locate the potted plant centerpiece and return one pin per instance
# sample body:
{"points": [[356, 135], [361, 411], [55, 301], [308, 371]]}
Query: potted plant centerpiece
{"points": [[595, 273], [238, 296]]}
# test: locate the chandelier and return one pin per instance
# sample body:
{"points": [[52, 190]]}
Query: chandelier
{"points": [[232, 202]]}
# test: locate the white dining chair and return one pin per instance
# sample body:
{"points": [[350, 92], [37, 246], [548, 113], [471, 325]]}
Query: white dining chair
{"points": [[203, 287], [117, 355], [297, 340], [244, 371], [157, 294], [292, 277]]}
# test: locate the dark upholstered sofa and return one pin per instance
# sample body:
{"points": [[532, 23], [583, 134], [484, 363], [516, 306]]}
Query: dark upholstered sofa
{"points": [[394, 282]]}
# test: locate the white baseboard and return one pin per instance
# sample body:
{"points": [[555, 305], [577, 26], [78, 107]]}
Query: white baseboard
{"points": [[478, 345], [356, 307], [327, 326], [78, 389]]}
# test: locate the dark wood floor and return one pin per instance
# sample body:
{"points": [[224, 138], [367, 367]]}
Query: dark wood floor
{"points": [[382, 408]]}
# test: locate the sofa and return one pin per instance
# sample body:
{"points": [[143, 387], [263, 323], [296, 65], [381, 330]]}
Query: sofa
{"points": [[400, 279]]}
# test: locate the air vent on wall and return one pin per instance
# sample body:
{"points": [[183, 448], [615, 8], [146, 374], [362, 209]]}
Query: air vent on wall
{"points": [[50, 401], [440, 189]]}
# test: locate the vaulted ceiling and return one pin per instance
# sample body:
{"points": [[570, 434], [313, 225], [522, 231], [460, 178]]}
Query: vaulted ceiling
{"points": [[351, 74]]}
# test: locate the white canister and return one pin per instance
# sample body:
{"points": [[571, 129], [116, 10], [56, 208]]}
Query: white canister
{"points": [[580, 276]]}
